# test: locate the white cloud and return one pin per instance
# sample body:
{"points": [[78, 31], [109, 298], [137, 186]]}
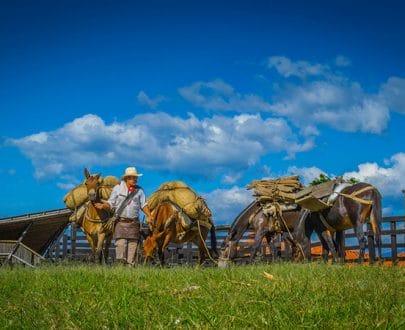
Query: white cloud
{"points": [[332, 101], [393, 93], [161, 142], [387, 211], [226, 204], [324, 98], [301, 69], [149, 102], [218, 95], [65, 186], [231, 178], [307, 174], [335, 104], [388, 180]]}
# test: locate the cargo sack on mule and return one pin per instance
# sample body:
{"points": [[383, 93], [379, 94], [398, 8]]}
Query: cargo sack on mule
{"points": [[281, 190], [77, 198], [186, 199]]}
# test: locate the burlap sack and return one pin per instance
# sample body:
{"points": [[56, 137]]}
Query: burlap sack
{"points": [[178, 192], [76, 197], [109, 182], [78, 215]]}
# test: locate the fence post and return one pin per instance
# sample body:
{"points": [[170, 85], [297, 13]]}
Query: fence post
{"points": [[64, 247], [189, 253], [393, 230], [73, 230], [57, 250]]}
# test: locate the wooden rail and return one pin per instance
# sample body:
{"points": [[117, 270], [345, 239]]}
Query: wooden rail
{"points": [[73, 245]]}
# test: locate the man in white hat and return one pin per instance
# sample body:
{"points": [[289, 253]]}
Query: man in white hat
{"points": [[127, 227]]}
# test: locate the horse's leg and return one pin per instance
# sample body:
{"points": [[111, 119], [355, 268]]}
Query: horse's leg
{"points": [[99, 249], [325, 250], [161, 256], [358, 230], [162, 247], [256, 244], [233, 252], [340, 246], [107, 245], [269, 241], [327, 236], [375, 220], [92, 246], [301, 236]]}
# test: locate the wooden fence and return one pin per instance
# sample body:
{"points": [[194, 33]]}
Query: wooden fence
{"points": [[73, 245]]}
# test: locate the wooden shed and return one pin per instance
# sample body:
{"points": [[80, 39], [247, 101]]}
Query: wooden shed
{"points": [[25, 239]]}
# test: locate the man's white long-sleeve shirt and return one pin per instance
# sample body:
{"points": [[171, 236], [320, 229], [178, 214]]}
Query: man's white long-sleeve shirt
{"points": [[134, 204]]}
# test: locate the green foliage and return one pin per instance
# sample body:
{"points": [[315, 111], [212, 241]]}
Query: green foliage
{"points": [[353, 180], [322, 178], [294, 295]]}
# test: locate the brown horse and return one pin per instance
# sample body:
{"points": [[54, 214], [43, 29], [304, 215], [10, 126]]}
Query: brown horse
{"points": [[94, 220], [267, 223], [354, 205], [166, 228]]}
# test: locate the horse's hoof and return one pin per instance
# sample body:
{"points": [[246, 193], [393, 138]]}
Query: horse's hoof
{"points": [[223, 263]]}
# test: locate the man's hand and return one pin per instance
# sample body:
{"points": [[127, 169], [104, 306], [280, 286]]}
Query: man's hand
{"points": [[101, 206]]}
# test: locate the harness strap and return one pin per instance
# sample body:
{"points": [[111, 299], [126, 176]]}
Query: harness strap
{"points": [[87, 217], [279, 214], [354, 197], [325, 223]]}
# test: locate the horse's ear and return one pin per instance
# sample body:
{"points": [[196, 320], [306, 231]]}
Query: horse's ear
{"points": [[86, 173]]}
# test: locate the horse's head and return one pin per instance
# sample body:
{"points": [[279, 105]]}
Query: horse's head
{"points": [[150, 245], [92, 184]]}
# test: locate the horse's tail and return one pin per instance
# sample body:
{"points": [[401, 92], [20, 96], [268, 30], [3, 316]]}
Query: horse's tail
{"points": [[376, 219], [213, 241]]}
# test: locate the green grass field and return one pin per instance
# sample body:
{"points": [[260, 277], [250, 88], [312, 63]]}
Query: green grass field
{"points": [[293, 296]]}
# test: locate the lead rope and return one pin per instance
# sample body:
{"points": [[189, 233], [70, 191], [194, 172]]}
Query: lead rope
{"points": [[91, 219], [205, 245]]}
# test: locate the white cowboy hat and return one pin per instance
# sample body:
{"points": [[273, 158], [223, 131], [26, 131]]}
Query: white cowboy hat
{"points": [[131, 171]]}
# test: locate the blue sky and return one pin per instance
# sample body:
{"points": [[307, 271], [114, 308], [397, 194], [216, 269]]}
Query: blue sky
{"points": [[213, 93]]}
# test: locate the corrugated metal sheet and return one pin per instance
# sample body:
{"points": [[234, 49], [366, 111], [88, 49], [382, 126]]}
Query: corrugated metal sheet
{"points": [[45, 229]]}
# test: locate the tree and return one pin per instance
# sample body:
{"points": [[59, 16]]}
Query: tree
{"points": [[353, 180], [322, 178]]}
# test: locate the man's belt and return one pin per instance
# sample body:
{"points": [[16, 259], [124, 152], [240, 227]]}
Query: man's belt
{"points": [[127, 220]]}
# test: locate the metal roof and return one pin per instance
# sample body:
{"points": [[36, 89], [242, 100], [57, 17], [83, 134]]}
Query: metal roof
{"points": [[43, 228]]}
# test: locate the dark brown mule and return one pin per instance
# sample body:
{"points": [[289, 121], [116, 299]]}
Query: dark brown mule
{"points": [[265, 224], [94, 219], [235, 233], [354, 205], [307, 223], [165, 228]]}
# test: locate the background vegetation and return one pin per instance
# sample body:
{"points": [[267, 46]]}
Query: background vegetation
{"points": [[259, 296]]}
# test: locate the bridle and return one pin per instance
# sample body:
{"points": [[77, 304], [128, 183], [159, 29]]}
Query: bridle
{"points": [[96, 199]]}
